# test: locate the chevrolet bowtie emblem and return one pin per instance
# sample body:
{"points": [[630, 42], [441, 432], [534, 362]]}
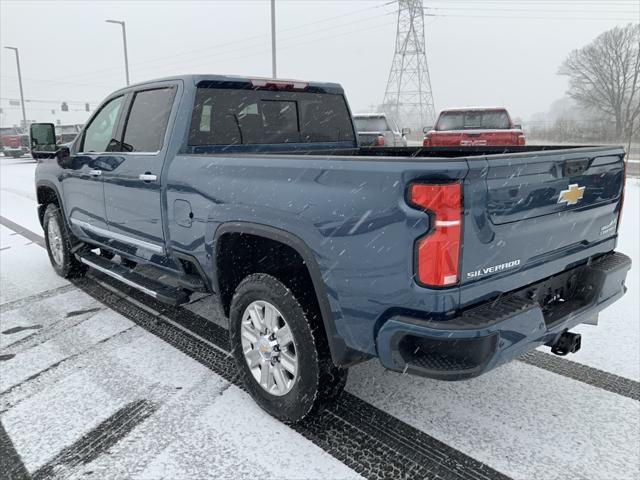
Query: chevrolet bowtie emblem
{"points": [[572, 195]]}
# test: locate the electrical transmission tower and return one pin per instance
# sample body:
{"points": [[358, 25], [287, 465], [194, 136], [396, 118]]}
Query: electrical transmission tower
{"points": [[408, 96]]}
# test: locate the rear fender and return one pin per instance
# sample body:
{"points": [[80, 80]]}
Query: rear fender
{"points": [[341, 354]]}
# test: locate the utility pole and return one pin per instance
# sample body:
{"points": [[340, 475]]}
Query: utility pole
{"points": [[408, 95], [124, 41], [24, 113], [273, 38]]}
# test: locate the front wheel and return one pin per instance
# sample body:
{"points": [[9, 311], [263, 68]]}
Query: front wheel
{"points": [[285, 368], [58, 241]]}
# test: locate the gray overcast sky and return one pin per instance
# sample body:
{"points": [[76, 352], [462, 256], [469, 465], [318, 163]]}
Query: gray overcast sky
{"points": [[480, 52]]}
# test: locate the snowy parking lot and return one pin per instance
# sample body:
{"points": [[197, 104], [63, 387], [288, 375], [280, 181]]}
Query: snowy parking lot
{"points": [[98, 381]]}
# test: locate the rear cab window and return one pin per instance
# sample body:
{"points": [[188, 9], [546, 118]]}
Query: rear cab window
{"points": [[371, 124], [147, 121], [473, 120], [229, 116]]}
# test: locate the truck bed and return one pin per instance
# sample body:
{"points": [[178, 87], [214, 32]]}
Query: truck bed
{"points": [[453, 152]]}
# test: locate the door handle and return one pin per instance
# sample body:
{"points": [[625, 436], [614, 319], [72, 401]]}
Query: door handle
{"points": [[95, 173], [147, 177]]}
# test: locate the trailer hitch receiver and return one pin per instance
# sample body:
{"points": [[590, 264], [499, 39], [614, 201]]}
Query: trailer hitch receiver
{"points": [[567, 343]]}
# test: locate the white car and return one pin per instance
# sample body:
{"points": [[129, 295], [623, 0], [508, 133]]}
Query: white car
{"points": [[378, 130]]}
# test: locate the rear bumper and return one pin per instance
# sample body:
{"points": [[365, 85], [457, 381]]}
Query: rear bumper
{"points": [[484, 336], [21, 149]]}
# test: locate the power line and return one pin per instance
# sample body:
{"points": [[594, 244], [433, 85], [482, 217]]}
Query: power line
{"points": [[235, 42], [298, 44], [69, 102], [528, 17], [47, 80], [536, 10], [283, 40]]}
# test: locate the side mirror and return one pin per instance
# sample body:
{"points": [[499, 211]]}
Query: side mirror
{"points": [[406, 131], [517, 126], [427, 129], [43, 140]]}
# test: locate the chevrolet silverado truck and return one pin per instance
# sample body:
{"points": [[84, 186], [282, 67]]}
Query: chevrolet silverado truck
{"points": [[473, 127], [442, 262]]}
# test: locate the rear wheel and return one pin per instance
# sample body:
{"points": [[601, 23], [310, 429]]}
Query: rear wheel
{"points": [[285, 368], [59, 243]]}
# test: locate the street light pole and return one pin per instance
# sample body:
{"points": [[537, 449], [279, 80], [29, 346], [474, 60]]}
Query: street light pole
{"points": [[124, 41], [273, 38], [24, 113]]}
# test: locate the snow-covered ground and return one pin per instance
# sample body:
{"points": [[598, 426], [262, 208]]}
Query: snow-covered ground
{"points": [[86, 392]]}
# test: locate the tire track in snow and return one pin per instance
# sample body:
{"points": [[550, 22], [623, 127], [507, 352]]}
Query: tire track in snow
{"points": [[372, 442], [96, 442]]}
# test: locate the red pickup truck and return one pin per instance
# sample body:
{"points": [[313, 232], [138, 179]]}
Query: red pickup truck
{"points": [[477, 126], [14, 142]]}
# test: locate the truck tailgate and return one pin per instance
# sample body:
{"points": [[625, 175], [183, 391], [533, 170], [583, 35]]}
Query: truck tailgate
{"points": [[456, 138], [526, 209], [368, 139]]}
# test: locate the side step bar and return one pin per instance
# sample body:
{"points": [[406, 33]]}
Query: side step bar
{"points": [[159, 291]]}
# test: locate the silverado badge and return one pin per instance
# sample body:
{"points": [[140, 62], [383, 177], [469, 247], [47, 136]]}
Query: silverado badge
{"points": [[572, 195]]}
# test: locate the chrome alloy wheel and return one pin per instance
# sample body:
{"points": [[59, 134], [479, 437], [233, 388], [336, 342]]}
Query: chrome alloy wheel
{"points": [[269, 347], [55, 242]]}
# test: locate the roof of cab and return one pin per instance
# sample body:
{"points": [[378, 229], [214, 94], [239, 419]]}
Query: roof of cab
{"points": [[195, 79], [370, 115], [465, 109]]}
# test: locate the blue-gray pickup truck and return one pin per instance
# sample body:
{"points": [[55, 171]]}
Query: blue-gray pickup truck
{"points": [[442, 262]]}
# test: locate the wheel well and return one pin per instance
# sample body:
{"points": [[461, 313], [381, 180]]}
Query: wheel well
{"points": [[239, 255], [45, 196]]}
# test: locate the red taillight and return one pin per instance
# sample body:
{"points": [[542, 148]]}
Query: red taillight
{"points": [[380, 141], [438, 252], [521, 139], [624, 186], [271, 84], [427, 141]]}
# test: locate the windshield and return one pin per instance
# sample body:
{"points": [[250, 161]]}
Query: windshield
{"points": [[473, 119], [371, 124], [9, 131]]}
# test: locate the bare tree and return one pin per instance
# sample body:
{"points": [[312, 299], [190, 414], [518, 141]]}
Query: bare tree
{"points": [[605, 75]]}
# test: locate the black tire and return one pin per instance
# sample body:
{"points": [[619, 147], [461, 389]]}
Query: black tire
{"points": [[67, 266], [318, 382], [15, 154]]}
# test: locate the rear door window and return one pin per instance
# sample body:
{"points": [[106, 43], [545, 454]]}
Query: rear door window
{"points": [[238, 116], [147, 121]]}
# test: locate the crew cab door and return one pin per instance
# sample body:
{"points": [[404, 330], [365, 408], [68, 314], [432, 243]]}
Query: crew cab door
{"points": [[82, 181], [132, 188]]}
